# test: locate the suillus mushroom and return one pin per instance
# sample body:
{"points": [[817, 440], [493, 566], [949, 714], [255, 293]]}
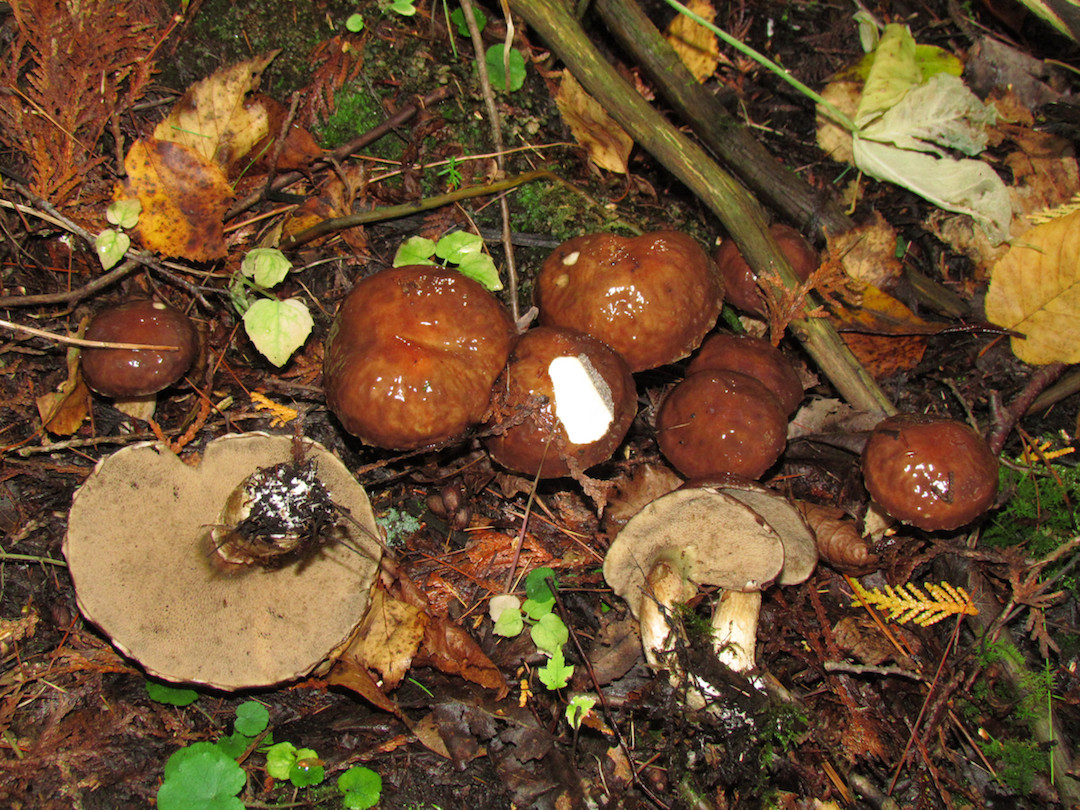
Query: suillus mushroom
{"points": [[128, 373], [139, 552], [651, 298], [718, 421], [934, 473], [567, 400], [741, 282], [729, 532], [755, 357], [412, 355]]}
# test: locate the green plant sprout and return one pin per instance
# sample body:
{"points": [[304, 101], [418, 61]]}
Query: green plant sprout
{"points": [[548, 631], [461, 248], [276, 328], [362, 788], [506, 68], [457, 17], [451, 172], [579, 707], [110, 244], [172, 695], [404, 8]]}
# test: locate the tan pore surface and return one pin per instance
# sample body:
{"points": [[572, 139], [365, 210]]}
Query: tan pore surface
{"points": [[137, 551]]}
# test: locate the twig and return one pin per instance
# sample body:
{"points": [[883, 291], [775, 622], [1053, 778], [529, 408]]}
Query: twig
{"points": [[1006, 418], [86, 344]]}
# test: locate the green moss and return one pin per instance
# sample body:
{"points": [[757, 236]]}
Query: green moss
{"points": [[356, 112]]}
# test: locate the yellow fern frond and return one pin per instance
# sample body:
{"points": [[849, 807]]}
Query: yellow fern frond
{"points": [[280, 415], [907, 603]]}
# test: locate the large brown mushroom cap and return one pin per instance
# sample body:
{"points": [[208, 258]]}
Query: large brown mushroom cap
{"points": [[137, 552], [527, 398], [412, 355], [741, 286], [755, 357], [651, 298], [721, 422], [934, 473], [126, 373]]}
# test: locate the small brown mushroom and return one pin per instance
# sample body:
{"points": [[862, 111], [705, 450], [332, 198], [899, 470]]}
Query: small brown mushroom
{"points": [[730, 533], [931, 472], [412, 355], [651, 298], [128, 373], [138, 552], [741, 282], [721, 422], [755, 357], [568, 400]]}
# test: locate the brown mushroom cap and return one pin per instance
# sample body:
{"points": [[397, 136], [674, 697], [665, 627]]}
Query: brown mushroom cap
{"points": [[755, 357], [126, 373], [931, 472], [741, 287], [721, 422], [651, 298], [412, 355], [602, 393], [137, 552]]}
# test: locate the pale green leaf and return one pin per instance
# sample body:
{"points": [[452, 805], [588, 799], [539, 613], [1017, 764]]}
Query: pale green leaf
{"points": [[280, 758], [481, 267], [556, 673], [459, 245], [549, 634], [963, 186], [267, 267], [124, 213], [355, 23], [893, 73], [278, 328], [111, 246], [415, 250], [509, 624]]}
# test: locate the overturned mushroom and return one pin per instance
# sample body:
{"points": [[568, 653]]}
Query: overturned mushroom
{"points": [[732, 533], [139, 551]]}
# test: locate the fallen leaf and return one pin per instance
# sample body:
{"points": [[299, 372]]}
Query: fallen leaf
{"points": [[606, 143], [448, 648], [300, 148], [351, 674], [695, 44], [1035, 290], [184, 198], [389, 637], [214, 118], [62, 411], [868, 252]]}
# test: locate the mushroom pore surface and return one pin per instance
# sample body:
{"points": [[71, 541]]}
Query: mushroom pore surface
{"points": [[934, 473], [651, 298], [597, 392], [412, 355], [718, 421], [138, 552], [138, 372], [755, 357]]}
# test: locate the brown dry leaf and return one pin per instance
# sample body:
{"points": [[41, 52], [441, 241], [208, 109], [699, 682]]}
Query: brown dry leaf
{"points": [[62, 411], [1035, 290], [214, 120], [695, 44], [351, 674], [606, 142], [184, 198], [448, 648], [868, 252], [300, 148], [389, 637]]}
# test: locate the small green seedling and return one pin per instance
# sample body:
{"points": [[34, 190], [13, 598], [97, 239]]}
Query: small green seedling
{"points": [[276, 328], [549, 633], [579, 707], [172, 695], [451, 172], [301, 766], [405, 8], [355, 23], [556, 674], [461, 248], [201, 775], [111, 245], [362, 788], [457, 17], [497, 68]]}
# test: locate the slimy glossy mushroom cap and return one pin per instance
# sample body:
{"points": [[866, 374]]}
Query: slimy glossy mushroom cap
{"points": [[755, 357], [742, 289]]}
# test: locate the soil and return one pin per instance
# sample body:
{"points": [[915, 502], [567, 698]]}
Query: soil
{"points": [[846, 710]]}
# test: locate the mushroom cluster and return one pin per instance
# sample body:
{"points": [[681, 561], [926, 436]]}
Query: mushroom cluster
{"points": [[729, 414]]}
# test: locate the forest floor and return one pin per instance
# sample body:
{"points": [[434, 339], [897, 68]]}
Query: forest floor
{"points": [[851, 705]]}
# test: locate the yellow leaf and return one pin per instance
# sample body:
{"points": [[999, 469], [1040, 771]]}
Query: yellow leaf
{"points": [[63, 411], [216, 119], [695, 44], [1035, 290], [606, 142]]}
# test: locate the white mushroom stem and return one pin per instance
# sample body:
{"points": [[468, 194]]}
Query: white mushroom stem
{"points": [[734, 624], [665, 587]]}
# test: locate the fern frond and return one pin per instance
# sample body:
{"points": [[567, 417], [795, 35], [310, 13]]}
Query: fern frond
{"points": [[906, 602], [280, 415]]}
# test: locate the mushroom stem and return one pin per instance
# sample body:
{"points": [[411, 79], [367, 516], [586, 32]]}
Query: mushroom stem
{"points": [[734, 625], [665, 586]]}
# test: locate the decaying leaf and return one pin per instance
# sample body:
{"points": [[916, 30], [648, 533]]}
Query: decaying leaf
{"points": [[1035, 290], [216, 119], [883, 333], [606, 142], [389, 637], [184, 198], [450, 649], [62, 411], [695, 44]]}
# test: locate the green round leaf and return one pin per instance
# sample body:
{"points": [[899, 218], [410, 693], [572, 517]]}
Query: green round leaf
{"points": [[173, 695], [124, 213], [458, 19], [355, 23], [267, 266], [278, 328], [415, 250], [201, 776], [280, 758], [459, 245], [403, 7], [549, 634], [111, 246], [362, 788], [509, 623], [251, 718], [307, 770], [536, 609], [494, 59], [536, 586]]}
